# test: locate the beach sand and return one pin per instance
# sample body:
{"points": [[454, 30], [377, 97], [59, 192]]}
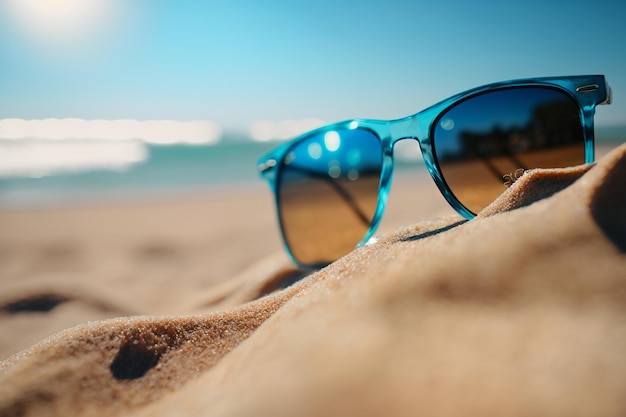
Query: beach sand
{"points": [[191, 308]]}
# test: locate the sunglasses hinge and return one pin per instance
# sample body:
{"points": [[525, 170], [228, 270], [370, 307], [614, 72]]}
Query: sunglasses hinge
{"points": [[609, 96]]}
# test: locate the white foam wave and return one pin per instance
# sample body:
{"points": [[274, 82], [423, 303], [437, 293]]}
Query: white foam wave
{"points": [[38, 158], [150, 131], [265, 130]]}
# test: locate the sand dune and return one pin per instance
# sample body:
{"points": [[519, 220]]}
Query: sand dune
{"points": [[518, 312]]}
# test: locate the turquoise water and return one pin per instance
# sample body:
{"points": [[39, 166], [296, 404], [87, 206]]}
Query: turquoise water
{"points": [[168, 170]]}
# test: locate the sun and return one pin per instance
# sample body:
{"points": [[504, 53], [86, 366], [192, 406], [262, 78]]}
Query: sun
{"points": [[59, 21]]}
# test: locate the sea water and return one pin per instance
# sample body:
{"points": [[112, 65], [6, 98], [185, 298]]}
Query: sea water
{"points": [[40, 174]]}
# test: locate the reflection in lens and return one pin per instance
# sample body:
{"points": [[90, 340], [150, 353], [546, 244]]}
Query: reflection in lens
{"points": [[327, 197], [486, 142]]}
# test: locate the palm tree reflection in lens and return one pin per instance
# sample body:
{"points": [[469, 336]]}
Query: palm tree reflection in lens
{"points": [[482, 142]]}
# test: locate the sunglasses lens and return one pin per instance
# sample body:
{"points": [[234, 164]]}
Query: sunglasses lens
{"points": [[483, 144], [328, 192]]}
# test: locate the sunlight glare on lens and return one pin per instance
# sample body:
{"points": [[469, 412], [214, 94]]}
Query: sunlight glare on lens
{"points": [[334, 170], [447, 124], [354, 156], [315, 150], [353, 175], [332, 141], [288, 158]]}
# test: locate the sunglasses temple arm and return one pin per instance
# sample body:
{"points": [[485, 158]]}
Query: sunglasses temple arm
{"points": [[338, 189]]}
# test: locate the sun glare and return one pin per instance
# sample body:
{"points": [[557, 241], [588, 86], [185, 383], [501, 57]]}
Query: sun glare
{"points": [[59, 21]]}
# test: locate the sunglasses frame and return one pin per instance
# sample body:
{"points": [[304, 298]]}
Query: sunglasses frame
{"points": [[587, 91]]}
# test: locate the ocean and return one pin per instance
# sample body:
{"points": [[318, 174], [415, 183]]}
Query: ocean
{"points": [[94, 172], [37, 174]]}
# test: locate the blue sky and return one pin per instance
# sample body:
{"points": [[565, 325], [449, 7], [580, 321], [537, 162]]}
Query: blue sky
{"points": [[236, 62]]}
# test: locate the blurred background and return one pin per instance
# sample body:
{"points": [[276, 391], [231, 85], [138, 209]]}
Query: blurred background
{"points": [[120, 99]]}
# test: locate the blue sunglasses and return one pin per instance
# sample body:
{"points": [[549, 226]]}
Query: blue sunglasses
{"points": [[331, 184]]}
